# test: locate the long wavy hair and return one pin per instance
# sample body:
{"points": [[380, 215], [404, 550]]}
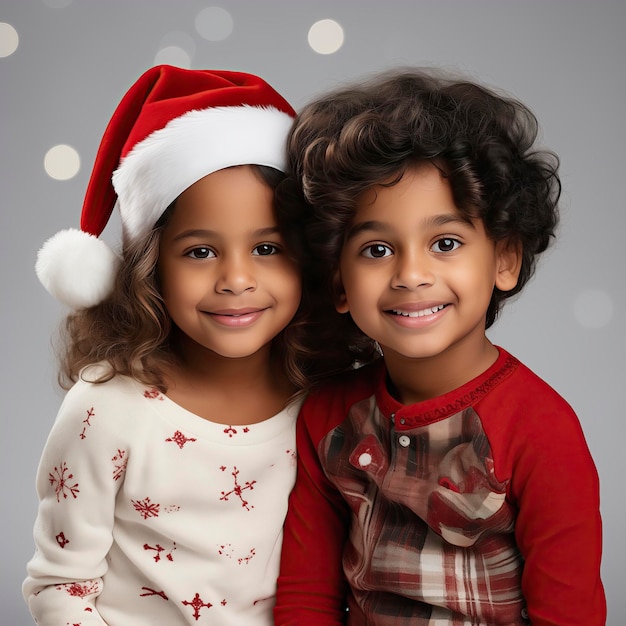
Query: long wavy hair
{"points": [[131, 331], [362, 136]]}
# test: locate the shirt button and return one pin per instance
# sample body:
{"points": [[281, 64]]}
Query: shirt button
{"points": [[365, 459], [404, 441]]}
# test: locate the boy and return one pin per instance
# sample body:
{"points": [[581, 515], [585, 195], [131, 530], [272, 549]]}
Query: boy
{"points": [[445, 483]]}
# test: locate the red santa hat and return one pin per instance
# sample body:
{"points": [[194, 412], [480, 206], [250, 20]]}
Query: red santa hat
{"points": [[173, 127]]}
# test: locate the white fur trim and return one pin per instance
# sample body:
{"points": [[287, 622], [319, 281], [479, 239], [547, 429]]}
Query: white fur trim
{"points": [[159, 168], [77, 268]]}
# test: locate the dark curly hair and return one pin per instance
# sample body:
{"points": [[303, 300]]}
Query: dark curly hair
{"points": [[483, 142]]}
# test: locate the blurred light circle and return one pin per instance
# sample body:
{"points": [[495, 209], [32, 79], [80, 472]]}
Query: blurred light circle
{"points": [[325, 37], [173, 55], [9, 39], [593, 308], [61, 162], [214, 23]]}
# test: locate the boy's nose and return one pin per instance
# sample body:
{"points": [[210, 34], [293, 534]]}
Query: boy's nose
{"points": [[412, 270]]}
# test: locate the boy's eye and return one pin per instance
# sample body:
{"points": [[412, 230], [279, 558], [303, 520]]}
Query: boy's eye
{"points": [[376, 251], [447, 244], [265, 249], [201, 253]]}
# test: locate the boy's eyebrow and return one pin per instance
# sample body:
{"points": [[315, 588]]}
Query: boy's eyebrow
{"points": [[432, 222], [205, 232]]}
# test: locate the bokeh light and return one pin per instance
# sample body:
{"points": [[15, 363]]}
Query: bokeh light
{"points": [[9, 39], [326, 37], [593, 309], [214, 24], [62, 162]]}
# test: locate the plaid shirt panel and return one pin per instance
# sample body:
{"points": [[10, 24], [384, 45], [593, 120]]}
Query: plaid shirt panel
{"points": [[431, 532]]}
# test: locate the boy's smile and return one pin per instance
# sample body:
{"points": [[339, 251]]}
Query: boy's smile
{"points": [[416, 275], [225, 276]]}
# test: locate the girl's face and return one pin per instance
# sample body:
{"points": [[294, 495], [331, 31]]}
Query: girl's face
{"points": [[416, 275], [225, 277]]}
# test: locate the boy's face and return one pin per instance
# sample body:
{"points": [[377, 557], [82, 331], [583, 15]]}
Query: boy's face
{"points": [[414, 274], [226, 279]]}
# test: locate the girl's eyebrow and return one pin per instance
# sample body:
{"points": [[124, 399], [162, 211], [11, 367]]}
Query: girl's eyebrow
{"points": [[436, 221], [205, 232]]}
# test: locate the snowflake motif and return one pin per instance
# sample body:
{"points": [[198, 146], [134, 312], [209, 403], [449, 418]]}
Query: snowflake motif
{"points": [[179, 439], [231, 431], [146, 508], [80, 590], [87, 423], [225, 550], [293, 456], [158, 549], [59, 478], [246, 559], [197, 604], [152, 592], [153, 394], [119, 464], [223, 602], [61, 540], [238, 489]]}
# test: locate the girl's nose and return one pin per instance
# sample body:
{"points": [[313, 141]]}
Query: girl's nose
{"points": [[236, 276]]}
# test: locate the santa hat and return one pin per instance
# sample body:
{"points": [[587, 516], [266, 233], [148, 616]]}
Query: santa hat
{"points": [[173, 127]]}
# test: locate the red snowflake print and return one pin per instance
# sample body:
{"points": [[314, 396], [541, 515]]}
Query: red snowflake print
{"points": [[246, 559], [223, 602], [225, 550], [238, 489], [80, 590], [146, 508], [87, 422], [152, 592], [293, 456], [153, 394], [119, 464], [231, 431], [159, 549], [60, 479], [61, 540], [197, 604], [179, 439]]}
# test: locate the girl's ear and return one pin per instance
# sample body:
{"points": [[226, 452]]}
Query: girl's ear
{"points": [[339, 295], [508, 264]]}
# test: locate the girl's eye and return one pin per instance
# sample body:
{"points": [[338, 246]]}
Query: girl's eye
{"points": [[376, 251], [265, 249], [446, 244], [201, 253]]}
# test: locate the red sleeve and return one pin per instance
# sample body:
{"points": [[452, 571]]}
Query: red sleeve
{"points": [[554, 485], [311, 586]]}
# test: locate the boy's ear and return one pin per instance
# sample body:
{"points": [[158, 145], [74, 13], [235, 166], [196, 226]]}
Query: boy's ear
{"points": [[339, 295], [509, 264]]}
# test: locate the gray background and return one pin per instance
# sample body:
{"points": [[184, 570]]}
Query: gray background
{"points": [[564, 58]]}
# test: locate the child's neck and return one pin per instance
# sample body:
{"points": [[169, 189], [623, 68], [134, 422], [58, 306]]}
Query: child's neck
{"points": [[225, 390], [416, 380]]}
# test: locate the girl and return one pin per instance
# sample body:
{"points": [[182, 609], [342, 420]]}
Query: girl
{"points": [[163, 485]]}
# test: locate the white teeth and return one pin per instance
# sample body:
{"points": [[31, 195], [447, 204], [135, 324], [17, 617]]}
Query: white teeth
{"points": [[430, 311]]}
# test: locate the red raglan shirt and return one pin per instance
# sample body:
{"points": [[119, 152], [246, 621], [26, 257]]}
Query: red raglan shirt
{"points": [[477, 507]]}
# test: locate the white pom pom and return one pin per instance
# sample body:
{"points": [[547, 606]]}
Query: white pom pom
{"points": [[77, 268]]}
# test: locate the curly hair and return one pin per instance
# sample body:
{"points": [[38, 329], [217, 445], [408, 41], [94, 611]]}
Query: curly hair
{"points": [[483, 142], [131, 331]]}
